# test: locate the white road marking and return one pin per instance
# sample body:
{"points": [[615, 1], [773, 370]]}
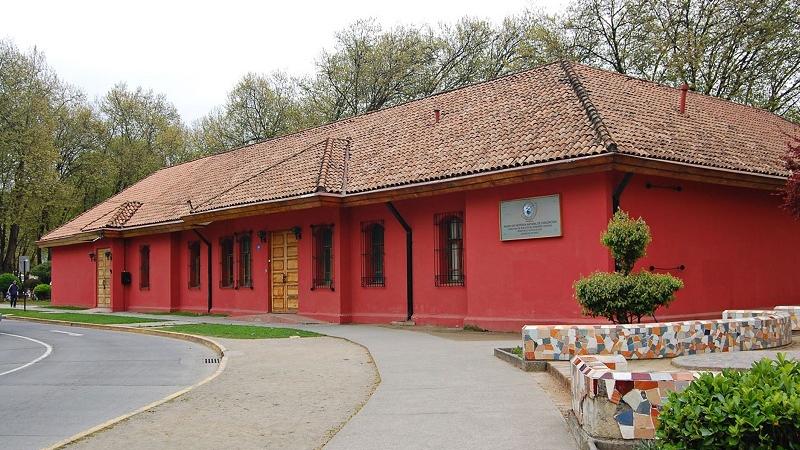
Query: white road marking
{"points": [[43, 356], [66, 332]]}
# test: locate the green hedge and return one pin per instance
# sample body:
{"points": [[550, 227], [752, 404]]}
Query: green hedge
{"points": [[42, 292], [755, 409], [5, 282]]}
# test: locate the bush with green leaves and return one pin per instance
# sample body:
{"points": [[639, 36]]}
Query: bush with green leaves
{"points": [[625, 295], [42, 292], [754, 409], [5, 282], [42, 272]]}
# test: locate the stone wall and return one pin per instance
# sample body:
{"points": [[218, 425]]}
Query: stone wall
{"points": [[610, 403], [657, 340]]}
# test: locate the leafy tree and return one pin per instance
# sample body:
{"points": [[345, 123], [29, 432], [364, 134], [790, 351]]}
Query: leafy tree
{"points": [[791, 193], [623, 295], [741, 50], [258, 107], [42, 272]]}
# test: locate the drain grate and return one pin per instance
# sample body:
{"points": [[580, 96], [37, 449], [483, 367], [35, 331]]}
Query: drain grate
{"points": [[212, 360]]}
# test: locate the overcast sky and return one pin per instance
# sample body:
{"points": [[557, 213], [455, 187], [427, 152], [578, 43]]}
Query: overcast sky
{"points": [[195, 51]]}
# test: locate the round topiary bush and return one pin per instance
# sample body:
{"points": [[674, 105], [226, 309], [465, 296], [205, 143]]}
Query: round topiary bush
{"points": [[5, 282], [42, 292], [754, 409]]}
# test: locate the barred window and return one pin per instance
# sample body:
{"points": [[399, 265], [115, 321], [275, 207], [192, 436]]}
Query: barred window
{"points": [[322, 256], [372, 269], [245, 262], [144, 267], [449, 249], [194, 264], [226, 262]]}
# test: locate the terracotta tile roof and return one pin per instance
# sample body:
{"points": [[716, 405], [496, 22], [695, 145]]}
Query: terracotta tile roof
{"points": [[554, 112]]}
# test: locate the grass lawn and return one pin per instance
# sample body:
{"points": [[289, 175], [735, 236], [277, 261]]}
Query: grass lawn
{"points": [[187, 314], [239, 331], [69, 308], [76, 317]]}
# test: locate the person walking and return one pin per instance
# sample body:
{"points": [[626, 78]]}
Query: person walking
{"points": [[13, 293]]}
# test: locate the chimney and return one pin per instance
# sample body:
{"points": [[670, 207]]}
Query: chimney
{"points": [[682, 105], [437, 115]]}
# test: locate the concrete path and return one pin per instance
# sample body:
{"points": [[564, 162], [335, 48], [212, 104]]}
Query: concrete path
{"points": [[440, 392], [274, 393], [71, 379]]}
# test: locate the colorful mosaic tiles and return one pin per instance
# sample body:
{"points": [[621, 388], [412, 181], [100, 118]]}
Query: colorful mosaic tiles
{"points": [[792, 311], [614, 404], [794, 315], [656, 340]]}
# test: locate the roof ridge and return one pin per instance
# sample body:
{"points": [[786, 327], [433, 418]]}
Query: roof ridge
{"points": [[592, 113], [320, 185], [258, 173]]}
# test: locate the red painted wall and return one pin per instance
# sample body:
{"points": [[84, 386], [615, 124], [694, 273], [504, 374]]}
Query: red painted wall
{"points": [[73, 276], [739, 248], [530, 281]]}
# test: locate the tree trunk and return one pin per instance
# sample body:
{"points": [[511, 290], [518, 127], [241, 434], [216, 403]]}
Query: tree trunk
{"points": [[11, 249]]}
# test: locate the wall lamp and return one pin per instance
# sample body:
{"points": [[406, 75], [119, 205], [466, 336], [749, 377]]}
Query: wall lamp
{"points": [[298, 232], [262, 236], [92, 256]]}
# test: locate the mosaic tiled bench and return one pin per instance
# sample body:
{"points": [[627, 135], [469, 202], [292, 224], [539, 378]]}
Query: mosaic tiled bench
{"points": [[792, 311], [656, 340], [610, 403]]}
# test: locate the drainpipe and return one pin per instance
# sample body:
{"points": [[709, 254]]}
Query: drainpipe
{"points": [[409, 265], [208, 246], [618, 191]]}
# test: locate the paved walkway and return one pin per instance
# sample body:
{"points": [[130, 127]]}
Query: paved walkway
{"points": [[274, 393], [440, 392]]}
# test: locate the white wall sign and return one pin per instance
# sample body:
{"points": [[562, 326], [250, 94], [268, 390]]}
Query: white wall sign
{"points": [[530, 218]]}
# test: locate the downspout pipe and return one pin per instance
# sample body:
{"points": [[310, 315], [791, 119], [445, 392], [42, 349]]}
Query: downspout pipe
{"points": [[409, 262], [615, 196], [210, 271]]}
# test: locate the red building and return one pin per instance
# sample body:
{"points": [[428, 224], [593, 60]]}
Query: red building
{"points": [[477, 206]]}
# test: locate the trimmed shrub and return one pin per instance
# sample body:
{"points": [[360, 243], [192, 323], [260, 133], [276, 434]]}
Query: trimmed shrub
{"points": [[42, 292], [5, 281], [755, 409], [621, 298], [624, 295], [42, 272], [627, 240]]}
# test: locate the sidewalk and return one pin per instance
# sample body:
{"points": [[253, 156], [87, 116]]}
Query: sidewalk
{"points": [[438, 392]]}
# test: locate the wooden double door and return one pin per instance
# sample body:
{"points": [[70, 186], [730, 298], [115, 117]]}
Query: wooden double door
{"points": [[284, 272], [103, 258]]}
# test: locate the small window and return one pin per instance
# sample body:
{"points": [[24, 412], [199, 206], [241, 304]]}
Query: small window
{"points": [[449, 249], [322, 255], [194, 264], [245, 262], [144, 267], [226, 261], [372, 269]]}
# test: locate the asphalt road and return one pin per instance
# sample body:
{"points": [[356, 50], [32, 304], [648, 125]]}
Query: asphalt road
{"points": [[57, 381]]}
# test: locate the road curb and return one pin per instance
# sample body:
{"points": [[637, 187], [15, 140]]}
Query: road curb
{"points": [[210, 343]]}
